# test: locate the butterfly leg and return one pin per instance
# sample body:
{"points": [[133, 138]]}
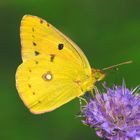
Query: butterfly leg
{"points": [[92, 93], [81, 100]]}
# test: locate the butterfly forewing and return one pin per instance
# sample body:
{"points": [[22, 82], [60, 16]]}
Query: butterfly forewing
{"points": [[40, 37]]}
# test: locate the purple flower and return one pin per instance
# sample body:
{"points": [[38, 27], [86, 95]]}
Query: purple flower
{"points": [[115, 113]]}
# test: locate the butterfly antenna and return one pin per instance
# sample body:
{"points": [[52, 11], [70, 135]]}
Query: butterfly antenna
{"points": [[115, 66]]}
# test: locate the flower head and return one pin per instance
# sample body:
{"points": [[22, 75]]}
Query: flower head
{"points": [[115, 114]]}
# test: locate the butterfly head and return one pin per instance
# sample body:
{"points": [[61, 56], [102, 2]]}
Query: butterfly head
{"points": [[98, 74]]}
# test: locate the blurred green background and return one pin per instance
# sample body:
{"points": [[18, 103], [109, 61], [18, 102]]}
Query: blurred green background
{"points": [[107, 31]]}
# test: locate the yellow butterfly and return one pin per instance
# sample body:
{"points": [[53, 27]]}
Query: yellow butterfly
{"points": [[54, 69]]}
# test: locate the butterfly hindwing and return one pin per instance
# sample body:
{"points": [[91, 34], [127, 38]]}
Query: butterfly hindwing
{"points": [[44, 85]]}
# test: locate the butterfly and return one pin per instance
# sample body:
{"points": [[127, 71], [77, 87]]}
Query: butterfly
{"points": [[54, 69]]}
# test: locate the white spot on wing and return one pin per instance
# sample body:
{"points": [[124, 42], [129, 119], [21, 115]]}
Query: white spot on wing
{"points": [[48, 76]]}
